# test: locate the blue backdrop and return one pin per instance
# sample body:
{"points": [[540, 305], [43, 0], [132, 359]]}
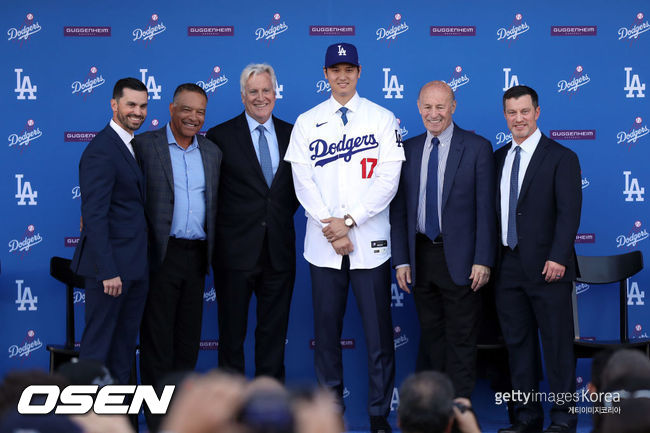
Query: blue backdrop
{"points": [[588, 60]]}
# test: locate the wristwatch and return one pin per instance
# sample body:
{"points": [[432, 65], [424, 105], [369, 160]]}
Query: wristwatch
{"points": [[349, 222]]}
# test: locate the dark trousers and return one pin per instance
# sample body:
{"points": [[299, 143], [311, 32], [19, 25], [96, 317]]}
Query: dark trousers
{"points": [[371, 289], [111, 331], [171, 325], [273, 290], [524, 307], [449, 316]]}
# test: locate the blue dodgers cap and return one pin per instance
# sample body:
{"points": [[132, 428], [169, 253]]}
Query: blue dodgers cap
{"points": [[341, 53]]}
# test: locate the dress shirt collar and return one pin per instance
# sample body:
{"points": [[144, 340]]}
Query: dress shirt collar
{"points": [[530, 144], [253, 124], [352, 105], [172, 140], [124, 135], [444, 136]]}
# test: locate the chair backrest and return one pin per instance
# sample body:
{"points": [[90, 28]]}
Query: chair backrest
{"points": [[609, 269], [60, 270]]}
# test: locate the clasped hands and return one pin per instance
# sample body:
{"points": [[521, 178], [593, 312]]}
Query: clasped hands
{"points": [[336, 233]]}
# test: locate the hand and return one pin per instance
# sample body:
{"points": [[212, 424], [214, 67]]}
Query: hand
{"points": [[113, 286], [343, 246], [553, 271], [479, 276], [81, 224], [335, 228], [403, 277], [466, 421]]}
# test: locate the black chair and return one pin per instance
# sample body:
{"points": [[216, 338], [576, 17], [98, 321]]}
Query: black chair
{"points": [[607, 270], [60, 271]]}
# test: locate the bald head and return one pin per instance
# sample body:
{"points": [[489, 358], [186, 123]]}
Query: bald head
{"points": [[436, 103]]}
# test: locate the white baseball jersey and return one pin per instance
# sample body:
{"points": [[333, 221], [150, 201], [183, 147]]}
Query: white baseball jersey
{"points": [[346, 169]]}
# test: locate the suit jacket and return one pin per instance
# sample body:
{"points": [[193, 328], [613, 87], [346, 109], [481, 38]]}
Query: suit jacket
{"points": [[114, 236], [248, 209], [152, 152], [548, 208], [467, 209]]}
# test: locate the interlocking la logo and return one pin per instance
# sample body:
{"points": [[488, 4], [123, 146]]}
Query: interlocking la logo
{"points": [[632, 188], [394, 400], [150, 82], [510, 80], [278, 90], [633, 84], [24, 296], [634, 295], [396, 296], [25, 192], [24, 84], [342, 51], [392, 85]]}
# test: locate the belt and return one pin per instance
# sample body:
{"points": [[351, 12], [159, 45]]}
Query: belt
{"points": [[425, 238], [188, 244]]}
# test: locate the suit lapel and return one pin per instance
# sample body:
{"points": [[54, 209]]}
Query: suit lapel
{"points": [[245, 144], [415, 153], [283, 138], [209, 165], [162, 149], [130, 160], [535, 163], [500, 160], [456, 148]]}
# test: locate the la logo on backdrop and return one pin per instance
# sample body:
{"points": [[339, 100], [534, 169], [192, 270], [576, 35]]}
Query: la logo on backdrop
{"points": [[23, 32], [216, 80], [272, 30], [153, 29], [24, 138]]}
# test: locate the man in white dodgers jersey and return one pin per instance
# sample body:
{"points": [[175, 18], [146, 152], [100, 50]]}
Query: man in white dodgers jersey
{"points": [[346, 155]]}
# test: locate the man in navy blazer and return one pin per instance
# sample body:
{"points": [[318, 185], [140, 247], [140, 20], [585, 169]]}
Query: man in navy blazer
{"points": [[255, 249], [442, 226], [112, 251], [539, 197]]}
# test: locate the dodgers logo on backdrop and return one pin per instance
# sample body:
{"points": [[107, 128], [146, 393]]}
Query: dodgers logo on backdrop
{"points": [[76, 192], [271, 31], [632, 188], [26, 136], [579, 79], [30, 239], [153, 89], [153, 29], [633, 84], [635, 296], [25, 194], [392, 85], [210, 295], [638, 332], [585, 182], [24, 296], [88, 84], [24, 349], [399, 339], [79, 296], [636, 235], [518, 27], [23, 33], [346, 392], [638, 27], [217, 79], [581, 288], [24, 85], [503, 137], [458, 79], [323, 86], [396, 296], [510, 80], [632, 136], [396, 28], [403, 132], [324, 153]]}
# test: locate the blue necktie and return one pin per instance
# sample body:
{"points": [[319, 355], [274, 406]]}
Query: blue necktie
{"points": [[431, 225], [344, 118], [265, 156], [512, 202]]}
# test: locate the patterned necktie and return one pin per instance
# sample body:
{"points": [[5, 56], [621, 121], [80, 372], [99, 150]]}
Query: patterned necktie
{"points": [[512, 202], [431, 225], [344, 117], [265, 156]]}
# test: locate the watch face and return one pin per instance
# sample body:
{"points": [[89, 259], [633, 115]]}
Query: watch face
{"points": [[348, 222]]}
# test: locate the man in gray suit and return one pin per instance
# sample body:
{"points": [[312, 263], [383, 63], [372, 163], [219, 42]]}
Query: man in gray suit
{"points": [[181, 169]]}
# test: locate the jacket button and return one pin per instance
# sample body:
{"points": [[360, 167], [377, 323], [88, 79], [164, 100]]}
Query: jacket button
{"points": [[263, 223]]}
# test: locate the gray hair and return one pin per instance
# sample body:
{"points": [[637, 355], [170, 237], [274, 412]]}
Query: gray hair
{"points": [[256, 69]]}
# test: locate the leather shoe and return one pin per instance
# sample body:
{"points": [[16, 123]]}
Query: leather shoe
{"points": [[559, 428], [520, 427]]}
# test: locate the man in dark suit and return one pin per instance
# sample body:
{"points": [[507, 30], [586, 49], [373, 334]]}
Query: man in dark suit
{"points": [[255, 248], [443, 226], [181, 169], [112, 251], [539, 197]]}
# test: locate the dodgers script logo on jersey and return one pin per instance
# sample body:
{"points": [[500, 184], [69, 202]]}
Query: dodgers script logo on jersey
{"points": [[153, 29], [396, 28], [324, 152], [458, 78], [88, 84], [579, 79], [23, 33], [217, 79], [518, 27], [26, 136], [271, 31]]}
